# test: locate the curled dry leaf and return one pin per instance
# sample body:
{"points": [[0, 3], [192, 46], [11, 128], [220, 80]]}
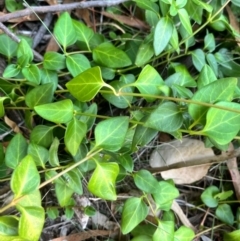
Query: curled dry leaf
{"points": [[180, 151]]}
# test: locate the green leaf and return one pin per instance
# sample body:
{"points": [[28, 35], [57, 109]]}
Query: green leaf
{"points": [[86, 85], [144, 54], [73, 181], [206, 76], [63, 194], [49, 76], [233, 236], [224, 213], [198, 58], [209, 42], [127, 162], [208, 196], [147, 5], [39, 153], [64, 30], [24, 51], [2, 111], [11, 238], [42, 135], [39, 95], [224, 195], [134, 212], [54, 61], [165, 231], [145, 181], [13, 6], [58, 112], [174, 40], [11, 71], [166, 117], [31, 222], [52, 212], [185, 20], [32, 74], [148, 82], [8, 47], [25, 178], [222, 89], [222, 125], [184, 234], [8, 225], [53, 153], [164, 195], [110, 134], [102, 181], [162, 34], [75, 132], [16, 151], [32, 199], [214, 64], [77, 63], [142, 238], [90, 116], [108, 55], [204, 5]]}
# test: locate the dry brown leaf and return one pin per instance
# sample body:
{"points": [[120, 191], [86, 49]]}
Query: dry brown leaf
{"points": [[52, 45], [180, 151], [130, 21], [12, 124], [85, 15]]}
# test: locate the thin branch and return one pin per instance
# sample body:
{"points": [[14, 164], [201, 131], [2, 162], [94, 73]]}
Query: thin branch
{"points": [[59, 8]]}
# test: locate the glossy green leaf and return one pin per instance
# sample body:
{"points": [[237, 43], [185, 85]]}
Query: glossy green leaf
{"points": [[32, 74], [24, 51], [222, 89], [134, 212], [184, 234], [31, 222], [73, 181], [11, 70], [174, 40], [204, 5], [224, 195], [77, 63], [151, 18], [185, 20], [90, 119], [86, 85], [214, 64], [58, 112], [144, 54], [166, 117], [164, 195], [108, 55], [49, 76], [164, 232], [198, 58], [208, 196], [64, 30], [2, 111], [110, 133], [225, 214], [162, 34], [25, 178], [75, 132], [8, 47], [222, 125], [42, 135], [148, 82], [209, 42], [195, 11], [232, 236], [54, 61], [127, 162], [145, 181], [102, 181], [16, 151], [63, 194], [53, 153], [147, 5], [40, 95], [33, 199], [8, 225], [39, 153], [206, 76]]}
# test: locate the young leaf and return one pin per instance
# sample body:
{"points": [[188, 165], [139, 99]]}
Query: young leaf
{"points": [[162, 34], [222, 125], [110, 134], [32, 74], [54, 61], [53, 153], [224, 213], [185, 20], [25, 178], [39, 153], [222, 89], [31, 222], [145, 181], [208, 196], [102, 181], [64, 31], [166, 117], [25, 51], [58, 112], [184, 234], [77, 63], [165, 231], [39, 95], [148, 82], [134, 212], [16, 151], [42, 135], [2, 110], [75, 132], [206, 76], [86, 85], [108, 55], [8, 225], [11, 71]]}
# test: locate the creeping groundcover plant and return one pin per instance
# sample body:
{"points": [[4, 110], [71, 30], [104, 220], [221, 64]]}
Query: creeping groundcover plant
{"points": [[82, 113]]}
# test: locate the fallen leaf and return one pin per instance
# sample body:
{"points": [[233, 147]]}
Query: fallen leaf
{"points": [[182, 151]]}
